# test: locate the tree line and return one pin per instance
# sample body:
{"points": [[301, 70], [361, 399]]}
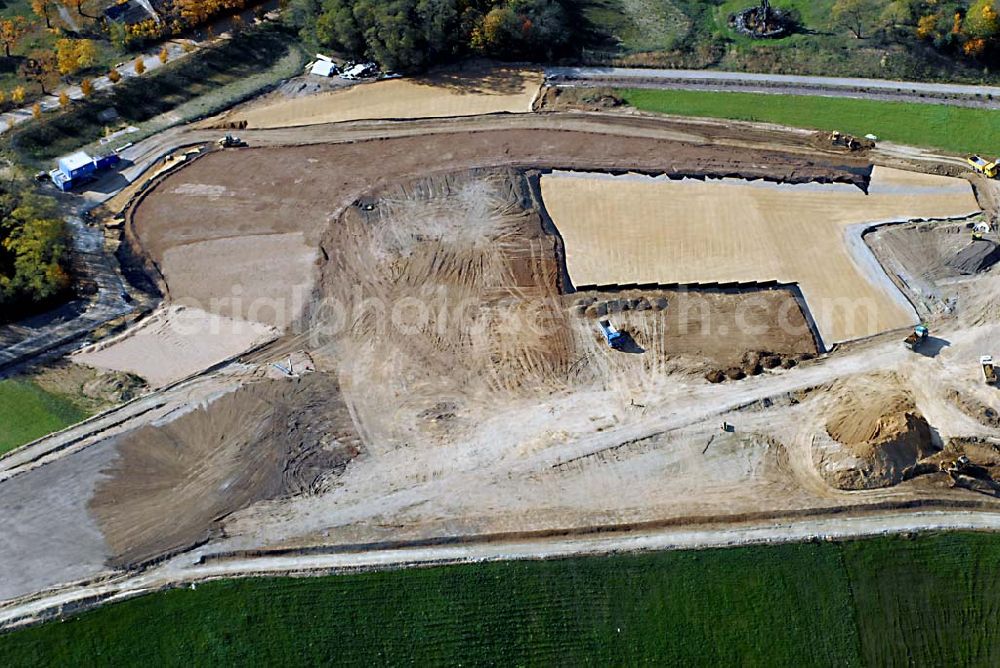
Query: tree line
{"points": [[34, 252], [410, 35], [965, 29]]}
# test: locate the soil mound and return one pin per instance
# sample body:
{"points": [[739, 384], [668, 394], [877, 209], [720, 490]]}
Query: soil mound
{"points": [[879, 431], [977, 257], [114, 387]]}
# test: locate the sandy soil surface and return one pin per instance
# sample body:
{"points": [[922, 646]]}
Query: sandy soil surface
{"points": [[438, 96], [635, 229], [717, 327], [259, 278], [476, 399], [175, 342]]}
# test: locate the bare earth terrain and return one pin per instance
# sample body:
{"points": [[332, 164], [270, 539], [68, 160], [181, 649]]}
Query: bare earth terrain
{"points": [[437, 389], [440, 96], [633, 229]]}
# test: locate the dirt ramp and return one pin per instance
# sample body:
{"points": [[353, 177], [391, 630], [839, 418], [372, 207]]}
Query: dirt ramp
{"points": [[172, 482], [877, 430]]}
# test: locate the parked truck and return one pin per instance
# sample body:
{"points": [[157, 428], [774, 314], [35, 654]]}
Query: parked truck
{"points": [[614, 338], [989, 371], [983, 166]]}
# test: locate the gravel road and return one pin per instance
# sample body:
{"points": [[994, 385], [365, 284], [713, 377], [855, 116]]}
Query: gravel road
{"points": [[785, 84]]}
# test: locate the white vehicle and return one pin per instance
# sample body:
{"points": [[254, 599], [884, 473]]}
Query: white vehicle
{"points": [[359, 71]]}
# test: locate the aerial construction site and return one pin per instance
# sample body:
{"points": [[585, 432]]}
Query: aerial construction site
{"points": [[436, 321]]}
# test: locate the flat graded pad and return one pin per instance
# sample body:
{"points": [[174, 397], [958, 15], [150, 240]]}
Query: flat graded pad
{"points": [[639, 229], [440, 96]]}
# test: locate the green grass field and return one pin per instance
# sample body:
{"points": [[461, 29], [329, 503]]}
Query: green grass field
{"points": [[925, 601], [27, 412], [957, 129]]}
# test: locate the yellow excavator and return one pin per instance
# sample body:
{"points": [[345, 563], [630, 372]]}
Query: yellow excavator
{"points": [[983, 166]]}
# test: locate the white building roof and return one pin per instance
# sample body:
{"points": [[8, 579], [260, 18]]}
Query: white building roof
{"points": [[323, 68], [74, 161]]}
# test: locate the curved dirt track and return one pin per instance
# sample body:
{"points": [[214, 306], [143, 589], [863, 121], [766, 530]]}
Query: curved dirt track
{"points": [[619, 426]]}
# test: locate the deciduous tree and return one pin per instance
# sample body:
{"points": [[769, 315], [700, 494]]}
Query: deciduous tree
{"points": [[44, 8], [11, 30], [858, 16], [86, 53], [983, 20], [87, 87], [17, 95], [78, 5], [39, 67], [114, 76], [73, 55], [35, 246], [63, 99], [140, 65], [66, 58]]}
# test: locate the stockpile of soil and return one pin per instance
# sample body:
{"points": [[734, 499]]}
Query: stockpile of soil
{"points": [[880, 432], [977, 257], [171, 483], [755, 363]]}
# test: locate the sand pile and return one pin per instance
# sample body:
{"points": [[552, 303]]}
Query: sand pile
{"points": [[977, 257], [879, 431]]}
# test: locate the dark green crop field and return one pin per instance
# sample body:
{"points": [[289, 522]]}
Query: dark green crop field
{"points": [[931, 600]]}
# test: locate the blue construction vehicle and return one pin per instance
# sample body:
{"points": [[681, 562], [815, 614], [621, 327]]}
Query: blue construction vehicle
{"points": [[614, 338]]}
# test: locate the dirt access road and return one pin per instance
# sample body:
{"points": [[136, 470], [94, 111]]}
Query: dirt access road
{"points": [[465, 434]]}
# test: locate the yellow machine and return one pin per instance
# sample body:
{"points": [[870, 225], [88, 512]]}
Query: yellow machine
{"points": [[990, 169], [989, 371]]}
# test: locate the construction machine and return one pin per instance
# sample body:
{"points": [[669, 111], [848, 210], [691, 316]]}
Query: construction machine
{"points": [[917, 337], [989, 371], [983, 166], [850, 142], [231, 141], [614, 338], [980, 229]]}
